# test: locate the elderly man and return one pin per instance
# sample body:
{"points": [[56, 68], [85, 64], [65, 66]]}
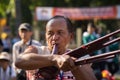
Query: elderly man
{"points": [[25, 32], [59, 31], [7, 72]]}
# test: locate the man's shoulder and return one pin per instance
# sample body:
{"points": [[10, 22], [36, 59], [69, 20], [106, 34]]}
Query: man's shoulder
{"points": [[43, 50], [43, 47], [85, 34], [36, 42], [17, 43]]}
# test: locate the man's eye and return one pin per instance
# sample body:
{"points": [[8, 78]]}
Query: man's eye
{"points": [[50, 33], [60, 33]]}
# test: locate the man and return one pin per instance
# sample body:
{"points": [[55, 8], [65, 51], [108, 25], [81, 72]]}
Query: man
{"points": [[25, 33], [6, 42], [7, 72], [59, 31], [90, 35]]}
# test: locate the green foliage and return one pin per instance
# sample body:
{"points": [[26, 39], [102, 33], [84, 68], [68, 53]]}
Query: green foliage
{"points": [[26, 13], [3, 7], [28, 8]]}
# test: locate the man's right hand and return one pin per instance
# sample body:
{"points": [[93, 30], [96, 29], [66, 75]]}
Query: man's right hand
{"points": [[64, 62], [31, 49]]}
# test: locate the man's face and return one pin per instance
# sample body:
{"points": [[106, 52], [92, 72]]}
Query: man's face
{"points": [[25, 35], [57, 32], [90, 29], [4, 63]]}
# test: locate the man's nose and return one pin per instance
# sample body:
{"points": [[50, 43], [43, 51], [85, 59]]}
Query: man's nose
{"points": [[23, 33], [55, 37]]}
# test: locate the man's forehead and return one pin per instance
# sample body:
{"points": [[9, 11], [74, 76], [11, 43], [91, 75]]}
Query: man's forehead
{"points": [[57, 21], [24, 30]]}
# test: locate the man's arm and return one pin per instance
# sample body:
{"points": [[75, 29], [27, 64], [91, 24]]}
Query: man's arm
{"points": [[83, 72], [30, 59], [14, 55]]}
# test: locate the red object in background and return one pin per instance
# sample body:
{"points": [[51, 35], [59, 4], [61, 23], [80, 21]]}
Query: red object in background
{"points": [[107, 75]]}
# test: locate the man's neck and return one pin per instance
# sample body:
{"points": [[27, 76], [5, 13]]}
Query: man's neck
{"points": [[25, 41], [4, 68]]}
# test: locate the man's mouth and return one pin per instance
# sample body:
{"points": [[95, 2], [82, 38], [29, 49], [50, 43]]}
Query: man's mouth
{"points": [[55, 44], [55, 49]]}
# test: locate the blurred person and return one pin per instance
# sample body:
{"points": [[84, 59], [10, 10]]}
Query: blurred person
{"points": [[6, 42], [15, 39], [1, 45], [100, 33], [113, 64], [7, 72], [25, 32], [90, 34], [59, 31]]}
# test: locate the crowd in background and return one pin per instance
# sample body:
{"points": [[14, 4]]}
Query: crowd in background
{"points": [[7, 71], [110, 66]]}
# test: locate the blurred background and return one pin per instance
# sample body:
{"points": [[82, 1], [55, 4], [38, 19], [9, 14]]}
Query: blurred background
{"points": [[104, 14]]}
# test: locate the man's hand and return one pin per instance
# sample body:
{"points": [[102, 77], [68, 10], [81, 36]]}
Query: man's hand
{"points": [[31, 49], [64, 62]]}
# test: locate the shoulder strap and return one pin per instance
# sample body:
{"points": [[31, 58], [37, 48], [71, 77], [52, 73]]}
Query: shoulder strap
{"points": [[20, 49], [10, 72], [30, 42]]}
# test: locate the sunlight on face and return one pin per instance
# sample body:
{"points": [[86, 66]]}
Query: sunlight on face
{"points": [[57, 32]]}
